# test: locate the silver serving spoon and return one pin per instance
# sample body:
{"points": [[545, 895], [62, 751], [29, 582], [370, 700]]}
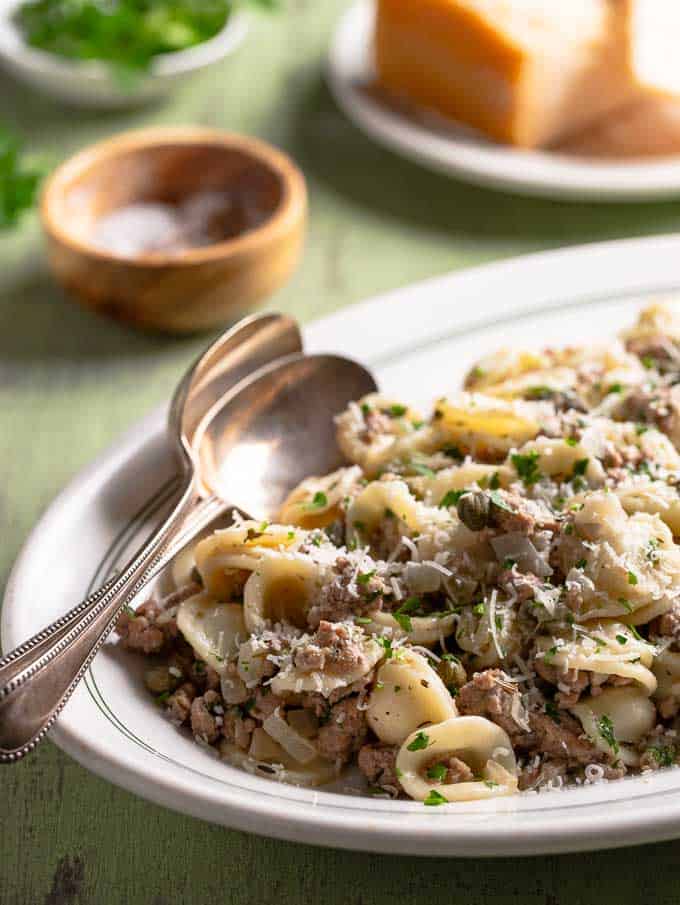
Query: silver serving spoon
{"points": [[39, 676], [273, 429]]}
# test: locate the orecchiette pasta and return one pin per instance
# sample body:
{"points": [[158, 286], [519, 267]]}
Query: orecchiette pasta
{"points": [[617, 564], [616, 719], [604, 648], [485, 599], [281, 588], [483, 747], [316, 502], [408, 694], [213, 629]]}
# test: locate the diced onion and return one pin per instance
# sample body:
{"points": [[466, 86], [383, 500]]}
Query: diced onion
{"points": [[517, 546], [299, 748]]}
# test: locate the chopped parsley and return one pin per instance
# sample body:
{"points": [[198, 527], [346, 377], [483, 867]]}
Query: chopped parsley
{"points": [[498, 500], [386, 645], [404, 621], [494, 481], [626, 604], [580, 467], [435, 798], [664, 755], [632, 578], [437, 772], [581, 564], [571, 441], [490, 784], [549, 654], [425, 470], [319, 501], [606, 729], [615, 388], [478, 609], [451, 498], [527, 468], [129, 611], [419, 743], [364, 577], [362, 620], [396, 411], [622, 639]]}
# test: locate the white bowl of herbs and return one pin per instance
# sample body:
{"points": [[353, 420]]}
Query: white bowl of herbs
{"points": [[117, 53]]}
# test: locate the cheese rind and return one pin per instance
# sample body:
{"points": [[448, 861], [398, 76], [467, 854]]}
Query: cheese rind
{"points": [[509, 68]]}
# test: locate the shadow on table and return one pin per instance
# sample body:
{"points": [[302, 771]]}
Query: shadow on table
{"points": [[38, 323], [333, 151]]}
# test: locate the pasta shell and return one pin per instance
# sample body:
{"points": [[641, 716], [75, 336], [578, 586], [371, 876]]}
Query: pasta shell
{"points": [[598, 649], [476, 741], [315, 503], [281, 589], [630, 716], [407, 694], [212, 629]]}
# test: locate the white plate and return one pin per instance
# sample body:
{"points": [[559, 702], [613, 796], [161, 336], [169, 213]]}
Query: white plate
{"points": [[419, 341], [460, 152], [91, 83]]}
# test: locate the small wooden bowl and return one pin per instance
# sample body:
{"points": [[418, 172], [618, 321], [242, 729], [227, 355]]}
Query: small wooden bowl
{"points": [[189, 290]]}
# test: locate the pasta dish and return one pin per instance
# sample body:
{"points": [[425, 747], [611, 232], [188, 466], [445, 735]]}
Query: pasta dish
{"points": [[484, 601]]}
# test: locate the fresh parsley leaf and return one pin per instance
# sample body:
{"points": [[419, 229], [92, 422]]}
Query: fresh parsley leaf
{"points": [[18, 181], [580, 467], [435, 798], [436, 772], [451, 498], [527, 467], [364, 577], [632, 578], [404, 621], [397, 411], [606, 729], [419, 743]]}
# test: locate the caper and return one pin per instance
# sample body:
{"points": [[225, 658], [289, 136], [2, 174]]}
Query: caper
{"points": [[159, 679], [474, 510], [451, 672]]}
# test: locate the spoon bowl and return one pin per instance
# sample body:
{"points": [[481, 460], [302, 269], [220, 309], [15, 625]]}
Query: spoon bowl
{"points": [[276, 429]]}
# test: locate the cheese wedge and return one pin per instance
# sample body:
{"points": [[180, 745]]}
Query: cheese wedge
{"points": [[527, 72], [652, 36]]}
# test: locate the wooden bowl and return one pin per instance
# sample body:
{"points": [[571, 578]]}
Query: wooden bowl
{"points": [[189, 290]]}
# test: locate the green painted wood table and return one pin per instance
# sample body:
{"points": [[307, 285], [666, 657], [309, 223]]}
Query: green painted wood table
{"points": [[70, 383]]}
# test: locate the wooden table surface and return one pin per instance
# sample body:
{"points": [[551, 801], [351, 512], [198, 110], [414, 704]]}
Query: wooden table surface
{"points": [[70, 383]]}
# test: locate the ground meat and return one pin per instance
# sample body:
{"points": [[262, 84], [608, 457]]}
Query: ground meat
{"points": [[265, 702], [343, 596], [667, 626], [179, 703], [237, 729], [570, 683], [659, 406], [139, 632], [378, 764], [489, 694], [562, 737], [523, 584], [525, 516], [205, 722], [541, 773], [659, 350], [142, 631], [345, 731], [203, 676], [333, 649], [456, 771], [376, 424]]}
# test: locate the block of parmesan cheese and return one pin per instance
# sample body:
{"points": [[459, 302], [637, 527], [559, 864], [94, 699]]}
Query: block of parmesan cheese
{"points": [[652, 41], [527, 72]]}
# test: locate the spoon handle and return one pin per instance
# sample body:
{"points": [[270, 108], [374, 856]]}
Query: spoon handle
{"points": [[37, 678]]}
